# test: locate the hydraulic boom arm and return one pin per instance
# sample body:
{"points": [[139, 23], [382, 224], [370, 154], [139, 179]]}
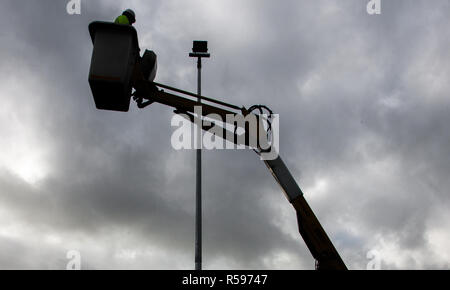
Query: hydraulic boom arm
{"points": [[315, 237]]}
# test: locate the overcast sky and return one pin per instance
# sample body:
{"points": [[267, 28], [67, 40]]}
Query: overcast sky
{"points": [[364, 111]]}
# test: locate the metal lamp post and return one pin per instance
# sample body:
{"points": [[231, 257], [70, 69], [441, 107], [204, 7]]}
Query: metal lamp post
{"points": [[199, 50]]}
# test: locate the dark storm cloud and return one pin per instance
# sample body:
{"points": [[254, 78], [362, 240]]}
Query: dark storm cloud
{"points": [[363, 104]]}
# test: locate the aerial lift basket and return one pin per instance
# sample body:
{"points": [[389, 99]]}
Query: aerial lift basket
{"points": [[114, 56]]}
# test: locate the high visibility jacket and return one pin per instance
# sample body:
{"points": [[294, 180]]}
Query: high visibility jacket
{"points": [[122, 19]]}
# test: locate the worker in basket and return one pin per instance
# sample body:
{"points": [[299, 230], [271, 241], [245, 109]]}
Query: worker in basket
{"points": [[147, 62]]}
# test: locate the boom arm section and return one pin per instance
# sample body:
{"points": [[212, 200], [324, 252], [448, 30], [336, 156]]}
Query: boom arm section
{"points": [[315, 237]]}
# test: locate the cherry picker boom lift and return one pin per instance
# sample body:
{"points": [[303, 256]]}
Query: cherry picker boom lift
{"points": [[116, 69]]}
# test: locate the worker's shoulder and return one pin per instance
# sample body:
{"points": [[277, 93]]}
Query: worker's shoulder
{"points": [[121, 19]]}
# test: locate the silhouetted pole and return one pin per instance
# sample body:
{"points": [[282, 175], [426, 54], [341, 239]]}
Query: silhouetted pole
{"points": [[199, 50]]}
